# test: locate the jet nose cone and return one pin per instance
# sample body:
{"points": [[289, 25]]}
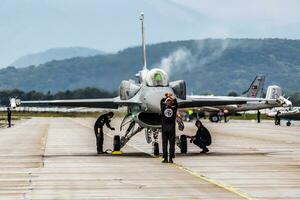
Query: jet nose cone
{"points": [[153, 97]]}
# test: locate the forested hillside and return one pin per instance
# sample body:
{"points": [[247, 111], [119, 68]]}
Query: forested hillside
{"points": [[211, 65]]}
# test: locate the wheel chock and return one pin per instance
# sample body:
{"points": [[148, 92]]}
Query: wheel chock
{"points": [[117, 153]]}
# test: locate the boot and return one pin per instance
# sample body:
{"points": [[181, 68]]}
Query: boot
{"points": [[100, 152], [204, 150]]}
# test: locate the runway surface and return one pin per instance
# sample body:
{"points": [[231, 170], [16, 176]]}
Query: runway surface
{"points": [[55, 158]]}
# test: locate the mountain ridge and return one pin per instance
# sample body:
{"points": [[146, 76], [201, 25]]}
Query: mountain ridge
{"points": [[208, 66], [60, 53]]}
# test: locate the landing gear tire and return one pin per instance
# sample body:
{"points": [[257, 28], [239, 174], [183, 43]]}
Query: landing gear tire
{"points": [[214, 118], [155, 149], [288, 123], [183, 144], [117, 143]]}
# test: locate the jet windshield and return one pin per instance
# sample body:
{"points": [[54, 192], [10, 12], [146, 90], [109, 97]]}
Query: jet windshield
{"points": [[157, 77]]}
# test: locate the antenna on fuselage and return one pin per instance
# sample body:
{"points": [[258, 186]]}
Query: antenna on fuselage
{"points": [[143, 41]]}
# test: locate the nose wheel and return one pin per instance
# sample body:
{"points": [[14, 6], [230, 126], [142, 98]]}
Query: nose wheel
{"points": [[155, 149]]}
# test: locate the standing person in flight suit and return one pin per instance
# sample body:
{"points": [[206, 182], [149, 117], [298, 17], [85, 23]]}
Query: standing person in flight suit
{"points": [[9, 117], [98, 128], [168, 111]]}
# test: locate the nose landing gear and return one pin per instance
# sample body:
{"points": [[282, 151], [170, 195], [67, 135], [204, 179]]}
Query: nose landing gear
{"points": [[155, 145], [155, 149]]}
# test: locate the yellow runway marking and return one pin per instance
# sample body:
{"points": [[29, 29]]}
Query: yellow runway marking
{"points": [[193, 173], [214, 182]]}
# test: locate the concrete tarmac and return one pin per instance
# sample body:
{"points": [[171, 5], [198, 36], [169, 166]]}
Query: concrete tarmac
{"points": [[55, 158]]}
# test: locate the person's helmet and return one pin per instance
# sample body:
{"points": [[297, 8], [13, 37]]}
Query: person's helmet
{"points": [[111, 114], [198, 122]]}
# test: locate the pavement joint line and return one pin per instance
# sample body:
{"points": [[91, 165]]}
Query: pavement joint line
{"points": [[44, 144], [214, 182], [191, 172]]}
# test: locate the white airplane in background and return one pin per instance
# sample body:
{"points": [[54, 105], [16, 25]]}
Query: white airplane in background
{"points": [[285, 114], [255, 90], [142, 100]]}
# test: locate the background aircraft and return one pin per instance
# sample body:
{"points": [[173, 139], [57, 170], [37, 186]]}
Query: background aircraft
{"points": [[255, 90], [285, 114], [142, 100]]}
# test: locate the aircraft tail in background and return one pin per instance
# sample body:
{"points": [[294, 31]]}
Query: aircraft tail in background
{"points": [[274, 92], [256, 88]]}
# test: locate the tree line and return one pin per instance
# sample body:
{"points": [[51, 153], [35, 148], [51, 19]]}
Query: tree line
{"points": [[295, 98], [84, 93]]}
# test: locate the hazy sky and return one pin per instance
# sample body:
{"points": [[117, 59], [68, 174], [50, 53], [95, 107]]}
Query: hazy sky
{"points": [[30, 26]]}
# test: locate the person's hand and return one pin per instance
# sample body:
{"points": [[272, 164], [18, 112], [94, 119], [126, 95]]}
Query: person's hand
{"points": [[112, 129]]}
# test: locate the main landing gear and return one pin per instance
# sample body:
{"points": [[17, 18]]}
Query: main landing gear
{"points": [[152, 137], [117, 143], [131, 131], [214, 118], [182, 143]]}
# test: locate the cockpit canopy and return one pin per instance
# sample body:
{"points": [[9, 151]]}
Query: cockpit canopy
{"points": [[157, 77]]}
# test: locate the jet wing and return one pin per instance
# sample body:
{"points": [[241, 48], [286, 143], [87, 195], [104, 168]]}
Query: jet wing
{"points": [[111, 103], [290, 115], [210, 109], [202, 101]]}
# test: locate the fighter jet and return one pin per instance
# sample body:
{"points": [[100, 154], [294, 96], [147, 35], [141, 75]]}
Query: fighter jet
{"points": [[142, 99], [255, 90]]}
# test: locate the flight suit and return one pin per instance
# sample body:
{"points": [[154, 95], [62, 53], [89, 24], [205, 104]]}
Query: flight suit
{"points": [[9, 117], [168, 128], [202, 138], [277, 119], [103, 119]]}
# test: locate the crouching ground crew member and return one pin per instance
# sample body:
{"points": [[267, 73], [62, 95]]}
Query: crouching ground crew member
{"points": [[98, 128], [168, 111], [202, 138]]}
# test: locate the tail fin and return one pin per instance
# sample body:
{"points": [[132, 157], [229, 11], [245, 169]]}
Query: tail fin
{"points": [[256, 87], [141, 75], [143, 42], [274, 92]]}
